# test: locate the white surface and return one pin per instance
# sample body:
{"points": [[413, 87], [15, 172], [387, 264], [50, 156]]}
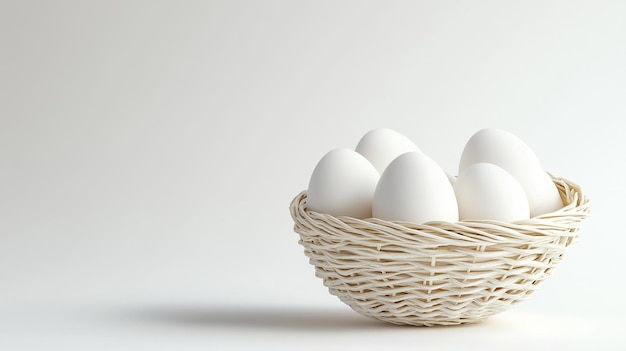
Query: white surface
{"points": [[189, 327], [149, 152]]}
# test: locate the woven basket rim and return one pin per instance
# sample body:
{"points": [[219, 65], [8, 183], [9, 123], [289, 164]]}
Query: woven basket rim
{"points": [[562, 222]]}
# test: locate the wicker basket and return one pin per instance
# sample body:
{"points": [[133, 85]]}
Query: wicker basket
{"points": [[439, 273]]}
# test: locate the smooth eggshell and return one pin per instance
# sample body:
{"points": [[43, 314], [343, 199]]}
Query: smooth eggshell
{"points": [[486, 191], [343, 184], [413, 188], [513, 155], [381, 146]]}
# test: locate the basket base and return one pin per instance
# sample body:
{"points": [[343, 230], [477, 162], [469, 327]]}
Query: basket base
{"points": [[436, 316], [417, 321]]}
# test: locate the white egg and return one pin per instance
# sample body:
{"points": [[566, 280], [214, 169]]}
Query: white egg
{"points": [[513, 155], [343, 184], [486, 191], [381, 146], [551, 198], [413, 188]]}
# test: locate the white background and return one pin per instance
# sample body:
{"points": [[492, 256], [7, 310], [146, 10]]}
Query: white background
{"points": [[149, 151]]}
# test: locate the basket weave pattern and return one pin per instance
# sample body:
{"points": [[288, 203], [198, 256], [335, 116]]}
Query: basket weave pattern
{"points": [[437, 273]]}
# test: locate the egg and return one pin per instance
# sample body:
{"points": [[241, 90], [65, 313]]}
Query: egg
{"points": [[381, 146], [413, 188], [486, 191], [343, 184], [509, 152]]}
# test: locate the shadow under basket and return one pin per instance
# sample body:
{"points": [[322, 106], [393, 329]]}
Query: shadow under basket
{"points": [[437, 273]]}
